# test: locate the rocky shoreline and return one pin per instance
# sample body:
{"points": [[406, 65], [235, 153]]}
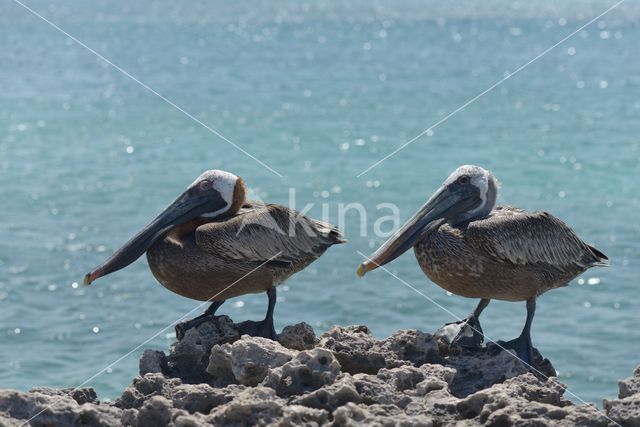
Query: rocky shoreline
{"points": [[216, 376]]}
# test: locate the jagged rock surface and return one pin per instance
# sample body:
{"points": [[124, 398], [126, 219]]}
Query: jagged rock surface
{"points": [[247, 361], [626, 409], [217, 376]]}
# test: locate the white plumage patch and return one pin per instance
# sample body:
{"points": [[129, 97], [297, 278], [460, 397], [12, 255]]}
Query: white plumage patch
{"points": [[479, 178], [224, 182]]}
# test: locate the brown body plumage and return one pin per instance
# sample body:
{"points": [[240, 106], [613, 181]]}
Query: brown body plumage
{"points": [[219, 259], [511, 255]]}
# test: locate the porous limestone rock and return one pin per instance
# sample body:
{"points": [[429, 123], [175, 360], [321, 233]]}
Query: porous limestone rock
{"points": [[252, 406], [202, 397], [220, 366], [355, 348], [80, 395], [630, 386], [189, 357], [415, 346], [358, 352], [307, 371], [626, 410], [153, 361], [145, 387], [247, 360], [353, 415], [53, 409], [298, 337], [213, 376]]}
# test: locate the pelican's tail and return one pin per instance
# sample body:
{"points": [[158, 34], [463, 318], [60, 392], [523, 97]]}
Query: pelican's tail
{"points": [[330, 231], [601, 260]]}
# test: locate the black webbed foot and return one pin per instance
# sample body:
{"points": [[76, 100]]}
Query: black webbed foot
{"points": [[465, 333], [523, 348], [182, 327], [263, 329]]}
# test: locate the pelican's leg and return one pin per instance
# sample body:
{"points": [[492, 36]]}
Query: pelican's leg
{"points": [[181, 328], [265, 327], [522, 344], [466, 332]]}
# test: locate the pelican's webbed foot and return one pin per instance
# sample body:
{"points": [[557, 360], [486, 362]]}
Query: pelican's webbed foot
{"points": [[465, 333], [523, 348], [183, 327], [264, 329]]}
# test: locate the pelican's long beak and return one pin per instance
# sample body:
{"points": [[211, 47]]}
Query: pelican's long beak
{"points": [[444, 205], [183, 209]]}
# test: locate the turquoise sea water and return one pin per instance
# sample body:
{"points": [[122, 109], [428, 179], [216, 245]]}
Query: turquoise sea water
{"points": [[319, 92]]}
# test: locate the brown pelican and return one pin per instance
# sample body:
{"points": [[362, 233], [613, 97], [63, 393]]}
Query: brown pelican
{"points": [[210, 245], [470, 247]]}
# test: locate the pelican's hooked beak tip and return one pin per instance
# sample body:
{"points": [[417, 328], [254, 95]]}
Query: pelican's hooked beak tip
{"points": [[362, 270], [87, 279]]}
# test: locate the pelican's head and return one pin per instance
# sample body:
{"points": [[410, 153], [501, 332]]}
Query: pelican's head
{"points": [[478, 181], [218, 189], [212, 194], [469, 193]]}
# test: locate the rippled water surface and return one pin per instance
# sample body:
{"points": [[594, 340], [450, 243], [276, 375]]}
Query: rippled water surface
{"points": [[319, 92]]}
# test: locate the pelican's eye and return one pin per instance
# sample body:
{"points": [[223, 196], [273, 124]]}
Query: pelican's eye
{"points": [[205, 185], [464, 180]]}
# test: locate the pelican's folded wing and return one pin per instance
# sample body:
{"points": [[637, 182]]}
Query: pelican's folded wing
{"points": [[267, 232], [519, 237]]}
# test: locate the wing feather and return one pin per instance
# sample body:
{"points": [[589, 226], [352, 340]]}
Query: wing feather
{"points": [[261, 232], [519, 237]]}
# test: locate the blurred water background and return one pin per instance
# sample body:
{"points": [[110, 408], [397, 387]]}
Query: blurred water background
{"points": [[318, 91]]}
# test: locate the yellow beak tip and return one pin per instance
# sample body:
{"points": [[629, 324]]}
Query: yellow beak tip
{"points": [[87, 279], [361, 270]]}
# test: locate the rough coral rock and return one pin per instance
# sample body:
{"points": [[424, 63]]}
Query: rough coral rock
{"points": [[189, 357], [309, 370], [153, 361], [145, 387], [298, 337], [53, 409], [246, 361], [252, 406], [215, 376], [157, 411], [412, 345], [354, 347], [202, 397], [352, 415], [630, 386], [626, 410], [80, 395]]}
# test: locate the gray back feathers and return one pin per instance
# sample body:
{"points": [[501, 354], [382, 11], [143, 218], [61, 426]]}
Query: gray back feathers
{"points": [[519, 237], [260, 232]]}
